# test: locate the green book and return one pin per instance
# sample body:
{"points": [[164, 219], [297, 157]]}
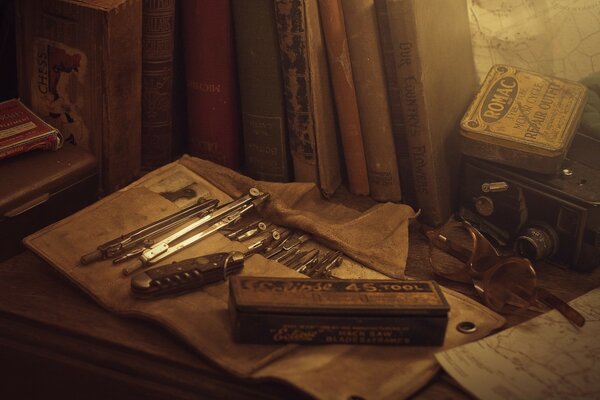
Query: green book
{"points": [[261, 90]]}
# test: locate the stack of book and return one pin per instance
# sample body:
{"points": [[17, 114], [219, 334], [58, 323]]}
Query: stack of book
{"points": [[367, 93]]}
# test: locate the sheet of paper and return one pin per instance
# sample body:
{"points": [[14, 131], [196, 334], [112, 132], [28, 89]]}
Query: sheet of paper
{"points": [[553, 37], [543, 358]]}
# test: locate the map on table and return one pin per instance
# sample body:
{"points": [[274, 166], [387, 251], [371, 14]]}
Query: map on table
{"points": [[546, 357]]}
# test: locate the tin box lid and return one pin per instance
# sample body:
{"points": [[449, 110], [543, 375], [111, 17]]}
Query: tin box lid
{"points": [[336, 297], [524, 111]]}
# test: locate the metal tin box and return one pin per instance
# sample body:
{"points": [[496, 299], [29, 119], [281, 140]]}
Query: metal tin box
{"points": [[522, 119], [312, 311]]}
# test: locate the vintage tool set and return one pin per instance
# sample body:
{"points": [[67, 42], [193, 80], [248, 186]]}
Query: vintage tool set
{"points": [[194, 223], [320, 310]]}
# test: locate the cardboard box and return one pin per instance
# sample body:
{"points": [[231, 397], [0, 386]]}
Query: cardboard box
{"points": [[79, 65]]}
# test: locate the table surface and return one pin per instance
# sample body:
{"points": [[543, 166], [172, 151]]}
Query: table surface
{"points": [[55, 339]]}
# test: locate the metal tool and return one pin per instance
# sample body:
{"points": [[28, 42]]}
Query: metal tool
{"points": [[263, 244], [286, 245], [184, 193], [323, 269], [248, 231], [184, 276], [219, 218], [305, 260], [142, 235]]}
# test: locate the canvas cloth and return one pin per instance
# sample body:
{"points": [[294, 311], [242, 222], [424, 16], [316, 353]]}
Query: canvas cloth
{"points": [[377, 237]]}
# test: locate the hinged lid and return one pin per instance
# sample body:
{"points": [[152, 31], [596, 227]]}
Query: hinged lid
{"points": [[523, 119], [337, 297]]}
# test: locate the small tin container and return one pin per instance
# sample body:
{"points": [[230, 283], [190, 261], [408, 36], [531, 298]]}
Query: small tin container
{"points": [[335, 311], [523, 119]]}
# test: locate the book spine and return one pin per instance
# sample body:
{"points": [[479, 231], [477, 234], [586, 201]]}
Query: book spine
{"points": [[367, 69], [48, 142], [291, 27], [261, 90], [158, 30], [395, 104], [409, 72], [121, 143], [329, 161], [344, 93], [211, 81]]}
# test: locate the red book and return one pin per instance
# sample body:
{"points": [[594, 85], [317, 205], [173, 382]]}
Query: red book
{"points": [[211, 81], [22, 131]]}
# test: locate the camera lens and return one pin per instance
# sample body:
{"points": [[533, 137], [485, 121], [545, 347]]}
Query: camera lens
{"points": [[536, 242]]}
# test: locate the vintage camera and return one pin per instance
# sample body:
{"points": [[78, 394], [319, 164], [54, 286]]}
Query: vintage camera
{"points": [[552, 217]]}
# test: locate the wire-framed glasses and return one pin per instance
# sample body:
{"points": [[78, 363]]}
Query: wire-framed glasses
{"points": [[459, 252]]}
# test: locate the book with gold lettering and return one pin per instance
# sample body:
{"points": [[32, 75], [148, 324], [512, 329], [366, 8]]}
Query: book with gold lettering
{"points": [[261, 90], [307, 93], [436, 73], [395, 103], [213, 122]]}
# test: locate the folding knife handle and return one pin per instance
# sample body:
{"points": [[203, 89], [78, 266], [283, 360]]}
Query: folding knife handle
{"points": [[183, 276]]}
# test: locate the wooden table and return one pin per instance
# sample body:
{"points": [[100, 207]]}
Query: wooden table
{"points": [[55, 341]]}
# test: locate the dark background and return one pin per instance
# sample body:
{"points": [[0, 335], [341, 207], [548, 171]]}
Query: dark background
{"points": [[8, 65]]}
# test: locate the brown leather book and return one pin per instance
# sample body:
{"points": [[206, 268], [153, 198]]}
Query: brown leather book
{"points": [[371, 95], [307, 94], [435, 68], [158, 39], [80, 69], [334, 31], [213, 116], [261, 90]]}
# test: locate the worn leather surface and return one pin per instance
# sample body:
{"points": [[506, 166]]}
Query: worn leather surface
{"points": [[201, 319]]}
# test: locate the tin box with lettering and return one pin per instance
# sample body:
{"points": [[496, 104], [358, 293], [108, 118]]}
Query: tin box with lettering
{"points": [[523, 119], [313, 311], [42, 187]]}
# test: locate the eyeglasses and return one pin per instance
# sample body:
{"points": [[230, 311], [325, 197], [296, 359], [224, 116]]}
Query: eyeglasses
{"points": [[459, 252]]}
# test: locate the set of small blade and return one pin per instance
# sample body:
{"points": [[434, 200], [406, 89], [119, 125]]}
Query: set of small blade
{"points": [[286, 247]]}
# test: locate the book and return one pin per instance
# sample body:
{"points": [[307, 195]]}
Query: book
{"points": [[79, 66], [334, 31], [394, 101], [436, 72], [261, 90], [213, 115], [307, 94], [371, 95], [22, 131], [158, 43]]}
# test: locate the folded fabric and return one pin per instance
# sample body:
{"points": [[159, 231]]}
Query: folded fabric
{"points": [[377, 237]]}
